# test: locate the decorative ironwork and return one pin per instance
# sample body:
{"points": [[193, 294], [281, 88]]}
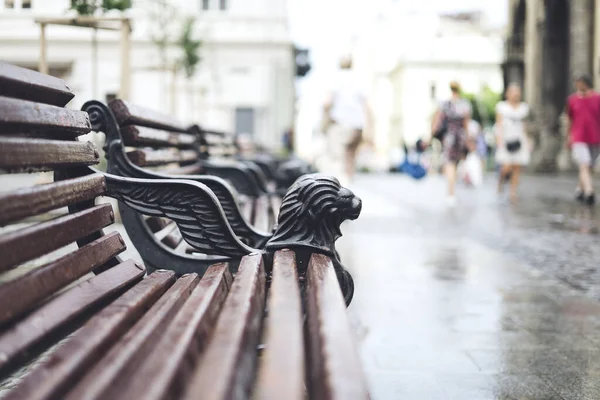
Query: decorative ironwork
{"points": [[309, 220], [103, 120]]}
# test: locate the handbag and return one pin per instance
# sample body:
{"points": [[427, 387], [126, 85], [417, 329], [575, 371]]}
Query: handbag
{"points": [[513, 146]]}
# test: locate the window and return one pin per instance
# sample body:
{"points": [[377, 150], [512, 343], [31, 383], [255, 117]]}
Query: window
{"points": [[205, 4], [223, 4], [25, 3], [9, 3], [16, 4]]}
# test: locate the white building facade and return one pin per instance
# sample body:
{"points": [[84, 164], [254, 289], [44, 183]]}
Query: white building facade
{"points": [[410, 58], [244, 82]]}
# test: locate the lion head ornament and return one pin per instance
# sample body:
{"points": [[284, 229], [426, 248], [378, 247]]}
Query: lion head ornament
{"points": [[311, 214]]}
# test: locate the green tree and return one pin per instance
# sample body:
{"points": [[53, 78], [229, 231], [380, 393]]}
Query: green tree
{"points": [[190, 48], [484, 105]]}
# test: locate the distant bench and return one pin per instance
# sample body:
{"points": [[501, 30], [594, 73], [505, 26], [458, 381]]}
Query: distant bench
{"points": [[127, 336]]}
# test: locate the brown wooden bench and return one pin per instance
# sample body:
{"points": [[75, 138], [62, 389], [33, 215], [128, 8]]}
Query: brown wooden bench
{"points": [[161, 142], [85, 324]]}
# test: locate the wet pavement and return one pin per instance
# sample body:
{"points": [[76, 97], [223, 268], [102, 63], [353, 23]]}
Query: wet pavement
{"points": [[488, 300]]}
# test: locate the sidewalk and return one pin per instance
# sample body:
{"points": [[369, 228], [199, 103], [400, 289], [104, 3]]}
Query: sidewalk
{"points": [[444, 312]]}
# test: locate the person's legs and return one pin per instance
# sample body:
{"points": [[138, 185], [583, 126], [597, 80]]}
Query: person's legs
{"points": [[583, 157], [350, 162], [450, 170], [514, 180], [504, 172]]}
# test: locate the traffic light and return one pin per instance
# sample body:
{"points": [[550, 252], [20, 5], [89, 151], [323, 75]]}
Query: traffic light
{"points": [[302, 62]]}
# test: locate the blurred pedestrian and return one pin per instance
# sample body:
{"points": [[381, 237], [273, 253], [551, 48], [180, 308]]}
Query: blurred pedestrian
{"points": [[512, 147], [346, 113], [583, 110], [454, 115]]}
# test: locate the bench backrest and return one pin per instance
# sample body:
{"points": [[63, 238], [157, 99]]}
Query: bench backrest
{"points": [[50, 234], [155, 139]]}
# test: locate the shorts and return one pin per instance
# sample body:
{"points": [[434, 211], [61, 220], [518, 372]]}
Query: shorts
{"points": [[585, 154]]}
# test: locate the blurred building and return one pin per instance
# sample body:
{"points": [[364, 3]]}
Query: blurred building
{"points": [[244, 83], [409, 59], [548, 43]]}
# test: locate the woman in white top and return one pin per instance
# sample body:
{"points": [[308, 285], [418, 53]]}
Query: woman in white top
{"points": [[348, 113], [512, 145]]}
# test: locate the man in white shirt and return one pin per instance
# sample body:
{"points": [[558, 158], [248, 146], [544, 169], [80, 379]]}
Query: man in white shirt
{"points": [[347, 108]]}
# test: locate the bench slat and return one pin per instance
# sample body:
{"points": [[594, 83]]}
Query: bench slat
{"points": [[33, 241], [18, 154], [31, 85], [51, 379], [145, 158], [284, 341], [227, 367], [138, 136], [166, 372], [21, 115], [38, 326], [115, 368], [21, 294], [131, 114], [334, 366], [193, 169], [30, 201]]}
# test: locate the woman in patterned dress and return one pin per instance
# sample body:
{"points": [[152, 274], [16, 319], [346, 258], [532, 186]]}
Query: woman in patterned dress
{"points": [[455, 115]]}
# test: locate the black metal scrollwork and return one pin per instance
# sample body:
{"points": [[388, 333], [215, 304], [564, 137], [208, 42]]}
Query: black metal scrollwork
{"points": [[309, 220]]}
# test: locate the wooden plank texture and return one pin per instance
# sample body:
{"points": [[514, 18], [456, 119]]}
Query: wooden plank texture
{"points": [[228, 366], [18, 154], [284, 340], [18, 115], [22, 294], [334, 370], [52, 379], [145, 158], [30, 201], [114, 369], [131, 114], [33, 241], [138, 136], [59, 312], [165, 373], [26, 84]]}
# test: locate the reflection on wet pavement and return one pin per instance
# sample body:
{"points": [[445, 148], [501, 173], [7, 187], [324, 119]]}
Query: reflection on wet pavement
{"points": [[483, 301]]}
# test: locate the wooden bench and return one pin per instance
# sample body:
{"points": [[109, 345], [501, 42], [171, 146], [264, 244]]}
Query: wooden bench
{"points": [[281, 171], [86, 324], [160, 141]]}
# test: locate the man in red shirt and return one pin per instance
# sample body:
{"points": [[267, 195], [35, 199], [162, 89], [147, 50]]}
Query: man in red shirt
{"points": [[583, 109]]}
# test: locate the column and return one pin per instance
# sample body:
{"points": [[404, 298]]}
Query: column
{"points": [[581, 38], [43, 62], [533, 52], [125, 59]]}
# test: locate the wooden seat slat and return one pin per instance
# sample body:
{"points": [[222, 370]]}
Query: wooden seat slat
{"points": [[284, 339], [17, 154], [115, 368], [57, 313], [334, 367], [23, 115], [31, 85], [52, 378], [165, 373], [145, 158], [193, 169], [28, 290], [26, 202], [33, 241], [131, 114], [143, 136], [227, 367]]}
